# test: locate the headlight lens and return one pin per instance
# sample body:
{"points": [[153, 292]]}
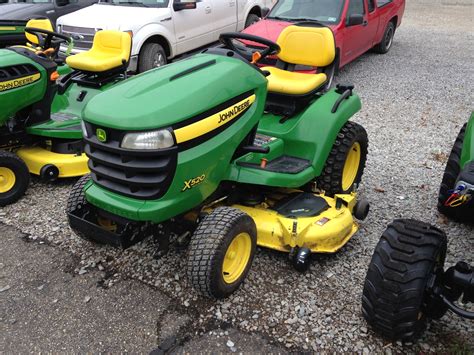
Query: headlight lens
{"points": [[84, 129], [148, 140]]}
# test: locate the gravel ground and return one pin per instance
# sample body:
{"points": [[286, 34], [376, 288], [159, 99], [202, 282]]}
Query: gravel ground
{"points": [[415, 100]]}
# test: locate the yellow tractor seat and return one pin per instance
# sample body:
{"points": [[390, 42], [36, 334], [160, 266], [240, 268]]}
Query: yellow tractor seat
{"points": [[110, 50], [43, 24], [301, 45], [291, 83], [32, 40]]}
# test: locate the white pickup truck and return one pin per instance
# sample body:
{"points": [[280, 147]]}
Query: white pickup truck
{"points": [[161, 29]]}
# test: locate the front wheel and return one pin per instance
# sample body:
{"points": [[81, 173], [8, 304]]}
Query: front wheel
{"points": [[395, 300], [221, 252], [151, 56], [14, 178], [77, 201], [346, 162], [251, 19]]}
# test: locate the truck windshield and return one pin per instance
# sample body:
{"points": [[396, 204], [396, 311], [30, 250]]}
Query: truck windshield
{"points": [[326, 11], [143, 3], [32, 1]]}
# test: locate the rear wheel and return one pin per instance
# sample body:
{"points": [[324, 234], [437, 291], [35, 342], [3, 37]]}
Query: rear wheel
{"points": [[221, 252], [152, 55], [346, 162], [14, 178], [387, 39], [395, 300], [451, 173]]}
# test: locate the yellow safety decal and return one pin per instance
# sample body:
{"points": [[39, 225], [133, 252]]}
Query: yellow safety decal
{"points": [[213, 122], [16, 83], [7, 28]]}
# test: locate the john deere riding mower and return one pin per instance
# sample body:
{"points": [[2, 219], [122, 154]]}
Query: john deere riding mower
{"points": [[406, 285], [40, 115], [244, 156]]}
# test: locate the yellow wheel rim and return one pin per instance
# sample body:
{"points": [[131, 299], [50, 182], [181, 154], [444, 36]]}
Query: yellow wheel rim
{"points": [[7, 179], [351, 167], [236, 258]]}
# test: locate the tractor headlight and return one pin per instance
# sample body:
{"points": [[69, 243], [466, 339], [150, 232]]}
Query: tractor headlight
{"points": [[148, 140], [84, 129]]}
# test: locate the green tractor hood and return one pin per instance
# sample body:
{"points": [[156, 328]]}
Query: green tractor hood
{"points": [[22, 83], [169, 95]]}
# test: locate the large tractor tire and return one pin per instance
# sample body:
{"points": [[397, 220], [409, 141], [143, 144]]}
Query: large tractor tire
{"points": [[221, 252], [395, 300], [14, 178], [346, 162], [451, 173]]}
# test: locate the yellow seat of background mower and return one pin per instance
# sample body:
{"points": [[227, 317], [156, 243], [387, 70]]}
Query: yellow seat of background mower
{"points": [[33, 40], [292, 83], [110, 50], [301, 45], [43, 24]]}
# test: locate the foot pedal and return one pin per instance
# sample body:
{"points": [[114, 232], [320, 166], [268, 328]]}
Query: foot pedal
{"points": [[285, 164]]}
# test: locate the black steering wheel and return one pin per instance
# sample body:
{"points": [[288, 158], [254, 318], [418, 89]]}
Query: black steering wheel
{"points": [[48, 39], [226, 39]]}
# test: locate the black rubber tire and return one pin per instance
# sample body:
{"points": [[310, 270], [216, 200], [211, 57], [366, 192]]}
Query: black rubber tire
{"points": [[209, 245], [49, 173], [384, 46], [22, 177], [146, 59], [76, 201], [331, 178], [451, 173], [395, 302], [251, 19]]}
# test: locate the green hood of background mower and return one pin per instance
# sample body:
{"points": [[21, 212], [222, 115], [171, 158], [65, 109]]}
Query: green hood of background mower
{"points": [[173, 93], [22, 83]]}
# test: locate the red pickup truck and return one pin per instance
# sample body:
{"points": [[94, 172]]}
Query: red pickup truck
{"points": [[358, 25]]}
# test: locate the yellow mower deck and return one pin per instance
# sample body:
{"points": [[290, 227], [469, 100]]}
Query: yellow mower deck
{"points": [[69, 165], [325, 233]]}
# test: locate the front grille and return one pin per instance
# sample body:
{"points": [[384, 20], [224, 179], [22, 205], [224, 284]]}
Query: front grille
{"points": [[139, 174], [83, 36], [17, 71]]}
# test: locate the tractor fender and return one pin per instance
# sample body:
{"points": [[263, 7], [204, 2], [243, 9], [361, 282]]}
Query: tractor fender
{"points": [[311, 133], [320, 126]]}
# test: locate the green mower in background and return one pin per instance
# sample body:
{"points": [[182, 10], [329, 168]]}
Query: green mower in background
{"points": [[42, 99], [456, 193], [12, 32], [234, 155], [406, 285]]}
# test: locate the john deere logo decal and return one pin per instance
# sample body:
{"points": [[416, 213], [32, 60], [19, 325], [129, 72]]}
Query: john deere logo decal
{"points": [[101, 135], [13, 84]]}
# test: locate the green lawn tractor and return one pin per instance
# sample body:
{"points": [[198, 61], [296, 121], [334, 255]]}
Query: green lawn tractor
{"points": [[239, 156], [406, 285], [456, 193], [41, 105], [12, 32]]}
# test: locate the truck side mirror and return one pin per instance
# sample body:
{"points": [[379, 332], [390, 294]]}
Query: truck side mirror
{"points": [[265, 12], [355, 19], [184, 5], [62, 2]]}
